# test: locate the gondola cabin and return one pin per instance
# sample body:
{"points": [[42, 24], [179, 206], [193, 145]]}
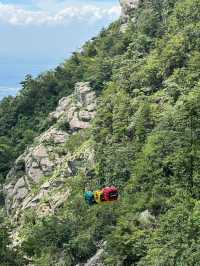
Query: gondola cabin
{"points": [[98, 196], [106, 195], [89, 198], [110, 193]]}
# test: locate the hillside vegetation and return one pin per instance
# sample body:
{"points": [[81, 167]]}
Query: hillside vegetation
{"points": [[145, 138]]}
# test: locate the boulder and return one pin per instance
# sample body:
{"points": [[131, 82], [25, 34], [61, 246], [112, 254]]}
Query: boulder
{"points": [[19, 163], [20, 183], [8, 189], [40, 152], [54, 135], [77, 110], [128, 6], [86, 116], [84, 93], [70, 113], [81, 89], [62, 107], [146, 219], [89, 98], [35, 174], [75, 124], [91, 107], [96, 260], [38, 163], [21, 193], [46, 165], [35, 164], [59, 198]]}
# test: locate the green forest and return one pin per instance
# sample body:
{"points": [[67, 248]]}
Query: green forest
{"points": [[146, 139]]}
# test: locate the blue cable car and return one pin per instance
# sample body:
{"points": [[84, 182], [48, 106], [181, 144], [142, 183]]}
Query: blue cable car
{"points": [[89, 198]]}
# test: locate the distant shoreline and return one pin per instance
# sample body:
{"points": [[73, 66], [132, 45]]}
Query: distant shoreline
{"points": [[8, 91]]}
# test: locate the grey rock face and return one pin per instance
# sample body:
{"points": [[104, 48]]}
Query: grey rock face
{"points": [[39, 162], [127, 7], [146, 219], [86, 115], [91, 107], [76, 110], [54, 135], [96, 260], [76, 123], [62, 107], [21, 193], [84, 94], [20, 183]]}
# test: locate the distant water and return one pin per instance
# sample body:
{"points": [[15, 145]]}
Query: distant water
{"points": [[11, 74], [8, 91]]}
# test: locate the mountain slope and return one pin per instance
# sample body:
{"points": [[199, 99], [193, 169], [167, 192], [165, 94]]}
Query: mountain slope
{"points": [[143, 136]]}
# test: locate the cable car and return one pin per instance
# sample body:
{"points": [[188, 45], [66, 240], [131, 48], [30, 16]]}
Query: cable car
{"points": [[110, 193], [89, 197], [98, 196], [106, 195]]}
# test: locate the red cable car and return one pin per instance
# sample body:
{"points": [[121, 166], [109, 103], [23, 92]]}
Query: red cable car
{"points": [[110, 193]]}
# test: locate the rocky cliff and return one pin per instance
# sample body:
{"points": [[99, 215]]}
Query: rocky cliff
{"points": [[38, 177]]}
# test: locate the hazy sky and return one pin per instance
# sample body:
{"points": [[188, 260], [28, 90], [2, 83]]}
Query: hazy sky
{"points": [[37, 35]]}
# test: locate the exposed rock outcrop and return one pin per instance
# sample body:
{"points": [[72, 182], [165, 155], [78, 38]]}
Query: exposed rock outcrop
{"points": [[77, 110], [96, 260], [127, 7], [146, 219], [41, 172]]}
